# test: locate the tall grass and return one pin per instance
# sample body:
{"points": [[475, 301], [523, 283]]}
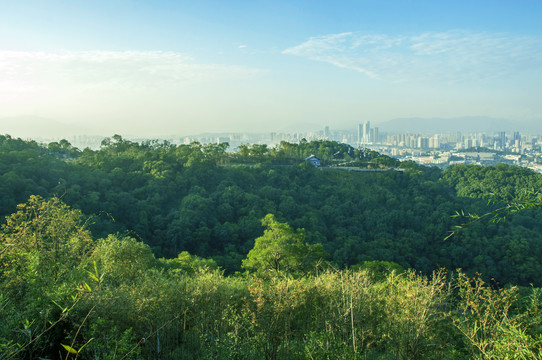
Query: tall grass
{"points": [[335, 315]]}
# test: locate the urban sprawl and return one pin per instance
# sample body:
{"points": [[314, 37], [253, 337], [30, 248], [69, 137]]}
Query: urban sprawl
{"points": [[440, 150]]}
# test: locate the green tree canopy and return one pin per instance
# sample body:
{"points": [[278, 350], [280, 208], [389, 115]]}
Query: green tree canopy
{"points": [[281, 248], [42, 242], [123, 259]]}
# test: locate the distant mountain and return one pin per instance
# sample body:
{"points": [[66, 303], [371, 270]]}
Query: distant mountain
{"points": [[299, 127], [462, 124]]}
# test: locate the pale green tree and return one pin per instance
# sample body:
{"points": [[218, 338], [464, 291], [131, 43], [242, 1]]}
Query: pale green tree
{"points": [[41, 243], [282, 248], [123, 259]]}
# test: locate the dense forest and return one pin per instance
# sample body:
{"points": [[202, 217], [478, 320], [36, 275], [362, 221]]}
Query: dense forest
{"points": [[154, 250]]}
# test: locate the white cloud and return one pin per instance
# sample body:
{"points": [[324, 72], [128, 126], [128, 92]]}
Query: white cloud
{"points": [[452, 57], [111, 91], [127, 69]]}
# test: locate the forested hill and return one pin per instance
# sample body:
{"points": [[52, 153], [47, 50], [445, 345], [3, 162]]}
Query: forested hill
{"points": [[210, 202]]}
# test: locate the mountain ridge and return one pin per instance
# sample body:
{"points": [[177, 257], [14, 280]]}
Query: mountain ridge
{"points": [[459, 124]]}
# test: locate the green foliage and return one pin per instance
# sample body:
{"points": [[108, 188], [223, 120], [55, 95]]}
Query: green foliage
{"points": [[189, 264], [386, 161], [491, 323], [41, 243], [63, 149], [282, 249], [110, 299], [123, 259], [379, 269], [209, 201], [499, 182], [126, 304], [114, 344]]}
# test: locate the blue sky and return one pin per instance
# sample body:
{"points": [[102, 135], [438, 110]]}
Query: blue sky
{"points": [[159, 68]]}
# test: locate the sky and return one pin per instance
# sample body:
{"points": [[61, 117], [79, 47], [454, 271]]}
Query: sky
{"points": [[161, 68]]}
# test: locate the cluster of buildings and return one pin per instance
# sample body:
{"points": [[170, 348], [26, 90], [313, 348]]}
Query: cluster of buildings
{"points": [[441, 150], [452, 148]]}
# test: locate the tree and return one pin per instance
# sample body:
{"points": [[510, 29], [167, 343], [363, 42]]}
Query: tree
{"points": [[123, 259], [42, 248], [189, 264], [281, 248], [41, 243]]}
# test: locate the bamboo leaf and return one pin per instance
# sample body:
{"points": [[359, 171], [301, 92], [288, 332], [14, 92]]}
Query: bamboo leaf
{"points": [[82, 347], [69, 349], [92, 276]]}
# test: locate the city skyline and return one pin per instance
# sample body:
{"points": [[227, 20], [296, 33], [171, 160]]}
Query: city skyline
{"points": [[155, 68], [363, 135]]}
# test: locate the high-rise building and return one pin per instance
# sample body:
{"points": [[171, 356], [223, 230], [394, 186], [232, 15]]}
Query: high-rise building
{"points": [[458, 137], [517, 139], [360, 134], [423, 142], [436, 141], [366, 132], [326, 132], [502, 140], [374, 135]]}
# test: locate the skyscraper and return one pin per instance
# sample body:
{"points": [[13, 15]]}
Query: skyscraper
{"points": [[374, 138], [423, 142], [517, 139], [327, 133], [436, 141], [366, 132], [502, 140]]}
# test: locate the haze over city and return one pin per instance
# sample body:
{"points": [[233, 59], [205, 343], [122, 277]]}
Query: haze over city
{"points": [[158, 68]]}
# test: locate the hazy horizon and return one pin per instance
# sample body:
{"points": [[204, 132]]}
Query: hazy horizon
{"points": [[42, 129], [152, 68]]}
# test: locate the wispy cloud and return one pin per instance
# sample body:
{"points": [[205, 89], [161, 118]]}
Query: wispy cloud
{"points": [[454, 56], [127, 69]]}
